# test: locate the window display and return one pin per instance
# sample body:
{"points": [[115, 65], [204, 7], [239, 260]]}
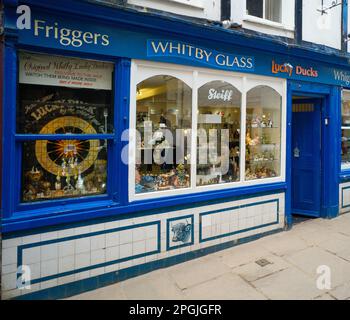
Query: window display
{"points": [[64, 98], [164, 121], [227, 131], [219, 127], [345, 139], [263, 136]]}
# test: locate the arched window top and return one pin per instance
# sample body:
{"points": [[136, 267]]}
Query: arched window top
{"points": [[219, 93], [252, 84], [264, 96], [161, 85], [145, 74], [265, 89]]}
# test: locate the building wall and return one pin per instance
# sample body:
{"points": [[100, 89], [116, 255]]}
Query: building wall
{"points": [[208, 9], [322, 29], [102, 249]]}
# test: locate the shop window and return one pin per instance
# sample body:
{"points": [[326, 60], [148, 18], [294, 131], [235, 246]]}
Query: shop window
{"points": [[263, 136], [265, 9], [219, 127], [163, 123], [345, 139], [64, 115]]}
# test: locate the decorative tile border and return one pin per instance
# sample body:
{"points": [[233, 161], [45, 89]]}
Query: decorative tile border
{"points": [[81, 286], [183, 220], [22, 248], [92, 270], [227, 234]]}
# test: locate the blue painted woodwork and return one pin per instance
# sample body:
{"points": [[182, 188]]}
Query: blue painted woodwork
{"points": [[130, 32], [306, 159]]}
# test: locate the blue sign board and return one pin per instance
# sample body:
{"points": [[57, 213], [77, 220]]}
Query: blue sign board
{"points": [[209, 57], [64, 33]]}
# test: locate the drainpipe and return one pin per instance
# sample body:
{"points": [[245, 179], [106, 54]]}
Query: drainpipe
{"points": [[225, 10], [298, 21], [344, 26]]}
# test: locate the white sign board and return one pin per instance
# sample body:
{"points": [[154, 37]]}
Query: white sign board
{"points": [[58, 71]]}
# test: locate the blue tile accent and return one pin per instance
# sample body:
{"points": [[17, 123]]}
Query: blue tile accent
{"points": [[201, 240], [21, 248], [169, 247], [142, 210], [81, 286]]}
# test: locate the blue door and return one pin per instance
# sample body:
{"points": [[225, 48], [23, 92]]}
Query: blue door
{"points": [[306, 155]]}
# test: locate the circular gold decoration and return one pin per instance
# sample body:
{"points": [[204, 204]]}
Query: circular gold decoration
{"points": [[51, 153]]}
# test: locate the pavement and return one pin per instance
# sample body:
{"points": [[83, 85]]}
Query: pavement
{"points": [[289, 272]]}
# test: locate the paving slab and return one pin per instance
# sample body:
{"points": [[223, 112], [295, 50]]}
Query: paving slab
{"points": [[156, 286], [310, 259], [289, 284], [197, 271], [342, 292], [337, 244], [252, 271], [345, 254], [244, 254], [284, 245], [325, 296], [114, 292], [226, 287]]}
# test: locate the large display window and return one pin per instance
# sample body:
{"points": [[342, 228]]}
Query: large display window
{"points": [[345, 138], [64, 115], [198, 131], [219, 130], [263, 136], [164, 111]]}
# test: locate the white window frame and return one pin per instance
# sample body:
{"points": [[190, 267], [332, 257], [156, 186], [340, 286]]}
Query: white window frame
{"points": [[195, 78], [192, 3], [263, 20], [344, 166]]}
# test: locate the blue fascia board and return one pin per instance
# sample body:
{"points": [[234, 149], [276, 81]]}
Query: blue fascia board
{"points": [[169, 24], [43, 217]]}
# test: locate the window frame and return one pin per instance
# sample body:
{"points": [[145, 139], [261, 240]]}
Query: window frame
{"points": [[68, 205], [344, 167], [263, 20], [142, 70]]}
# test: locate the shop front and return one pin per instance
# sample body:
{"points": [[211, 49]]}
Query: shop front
{"points": [[130, 149]]}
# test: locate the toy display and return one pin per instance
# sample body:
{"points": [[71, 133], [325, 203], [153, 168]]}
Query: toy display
{"points": [[160, 115], [219, 121], [53, 169], [262, 146]]}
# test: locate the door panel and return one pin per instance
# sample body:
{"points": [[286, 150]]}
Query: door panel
{"points": [[306, 159]]}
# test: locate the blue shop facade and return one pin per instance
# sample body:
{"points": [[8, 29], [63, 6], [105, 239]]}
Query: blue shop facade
{"points": [[83, 87]]}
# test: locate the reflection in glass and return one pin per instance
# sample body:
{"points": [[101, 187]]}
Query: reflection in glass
{"points": [[219, 124], [164, 121], [263, 136]]}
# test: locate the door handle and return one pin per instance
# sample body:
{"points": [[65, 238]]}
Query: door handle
{"points": [[296, 152]]}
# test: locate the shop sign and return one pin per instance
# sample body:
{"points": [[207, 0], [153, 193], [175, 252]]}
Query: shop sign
{"points": [[290, 70], [224, 95], [65, 72], [342, 77], [176, 49]]}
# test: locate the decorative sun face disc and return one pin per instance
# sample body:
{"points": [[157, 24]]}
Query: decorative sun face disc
{"points": [[51, 153]]}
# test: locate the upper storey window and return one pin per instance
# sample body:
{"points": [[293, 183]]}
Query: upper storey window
{"points": [[265, 9]]}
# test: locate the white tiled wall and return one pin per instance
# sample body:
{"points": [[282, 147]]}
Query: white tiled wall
{"points": [[52, 254], [344, 197]]}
